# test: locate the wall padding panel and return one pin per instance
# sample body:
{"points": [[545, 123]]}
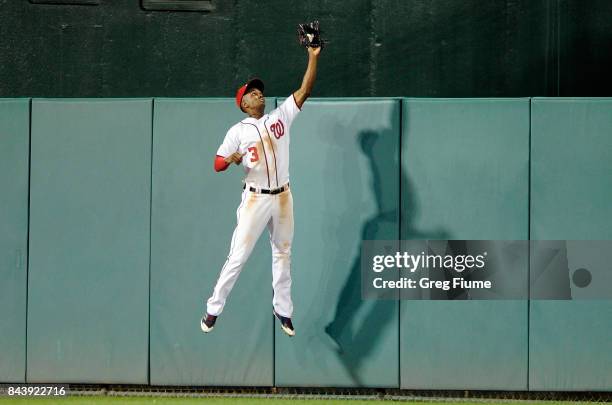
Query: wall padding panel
{"points": [[571, 193], [344, 178], [465, 176], [194, 216], [14, 161], [88, 302]]}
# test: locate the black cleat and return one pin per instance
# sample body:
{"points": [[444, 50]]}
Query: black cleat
{"points": [[208, 323], [286, 324]]}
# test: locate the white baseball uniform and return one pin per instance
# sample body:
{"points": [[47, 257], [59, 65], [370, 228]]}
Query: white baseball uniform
{"points": [[265, 145]]}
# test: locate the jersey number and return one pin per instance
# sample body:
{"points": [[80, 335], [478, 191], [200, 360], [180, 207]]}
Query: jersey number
{"points": [[278, 129], [255, 156]]}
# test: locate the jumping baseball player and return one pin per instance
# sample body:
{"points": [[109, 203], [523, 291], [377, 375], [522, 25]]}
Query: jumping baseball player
{"points": [[261, 143]]}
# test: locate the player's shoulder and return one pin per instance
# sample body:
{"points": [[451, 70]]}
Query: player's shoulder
{"points": [[289, 104], [233, 131], [235, 128]]}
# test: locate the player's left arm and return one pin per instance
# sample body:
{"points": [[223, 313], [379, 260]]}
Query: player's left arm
{"points": [[301, 94]]}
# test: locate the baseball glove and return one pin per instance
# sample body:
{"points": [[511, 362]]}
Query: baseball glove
{"points": [[309, 35]]}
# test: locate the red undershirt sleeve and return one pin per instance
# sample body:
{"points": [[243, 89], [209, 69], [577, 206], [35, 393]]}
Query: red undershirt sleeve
{"points": [[220, 164]]}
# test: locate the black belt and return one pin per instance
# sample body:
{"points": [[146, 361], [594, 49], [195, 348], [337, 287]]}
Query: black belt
{"points": [[266, 191]]}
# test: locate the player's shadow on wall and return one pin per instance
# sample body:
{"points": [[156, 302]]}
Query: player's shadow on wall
{"points": [[358, 326]]}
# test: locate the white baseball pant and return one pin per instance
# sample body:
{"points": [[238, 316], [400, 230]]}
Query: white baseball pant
{"points": [[256, 211]]}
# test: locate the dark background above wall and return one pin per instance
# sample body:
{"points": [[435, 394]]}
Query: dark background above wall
{"points": [[417, 48]]}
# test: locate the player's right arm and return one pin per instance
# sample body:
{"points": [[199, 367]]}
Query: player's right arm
{"points": [[222, 163], [228, 152]]}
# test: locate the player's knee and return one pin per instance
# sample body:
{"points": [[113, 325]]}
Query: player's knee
{"points": [[282, 248], [282, 255], [238, 259]]}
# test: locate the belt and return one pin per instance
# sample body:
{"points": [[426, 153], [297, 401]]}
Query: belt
{"points": [[272, 191]]}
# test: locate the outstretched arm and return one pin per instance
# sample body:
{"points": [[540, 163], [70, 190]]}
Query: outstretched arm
{"points": [[303, 92]]}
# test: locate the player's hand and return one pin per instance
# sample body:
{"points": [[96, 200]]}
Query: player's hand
{"points": [[314, 51], [235, 157]]}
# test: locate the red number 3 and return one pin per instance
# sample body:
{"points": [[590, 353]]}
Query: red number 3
{"points": [[255, 156], [278, 129]]}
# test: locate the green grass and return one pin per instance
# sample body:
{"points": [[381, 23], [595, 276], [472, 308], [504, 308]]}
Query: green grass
{"points": [[102, 400]]}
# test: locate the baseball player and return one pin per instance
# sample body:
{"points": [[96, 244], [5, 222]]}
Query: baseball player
{"points": [[261, 143]]}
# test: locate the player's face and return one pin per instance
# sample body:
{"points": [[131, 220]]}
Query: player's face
{"points": [[254, 99]]}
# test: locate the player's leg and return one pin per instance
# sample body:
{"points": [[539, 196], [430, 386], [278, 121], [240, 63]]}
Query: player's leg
{"points": [[252, 216], [281, 237]]}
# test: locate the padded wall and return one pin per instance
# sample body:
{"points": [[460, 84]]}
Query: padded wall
{"points": [[88, 296], [571, 193], [14, 161], [194, 216], [465, 176], [344, 166]]}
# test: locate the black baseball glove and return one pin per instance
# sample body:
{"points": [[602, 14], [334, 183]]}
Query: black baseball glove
{"points": [[309, 35]]}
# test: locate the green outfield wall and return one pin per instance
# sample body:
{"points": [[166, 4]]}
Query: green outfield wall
{"points": [[193, 217], [88, 278], [347, 191], [14, 162], [571, 198], [115, 226], [465, 175]]}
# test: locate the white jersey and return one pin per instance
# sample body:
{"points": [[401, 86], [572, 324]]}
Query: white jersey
{"points": [[265, 145]]}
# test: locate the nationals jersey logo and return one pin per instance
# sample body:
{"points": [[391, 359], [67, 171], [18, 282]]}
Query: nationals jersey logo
{"points": [[278, 129]]}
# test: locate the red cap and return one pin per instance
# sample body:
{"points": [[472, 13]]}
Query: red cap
{"points": [[253, 83]]}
